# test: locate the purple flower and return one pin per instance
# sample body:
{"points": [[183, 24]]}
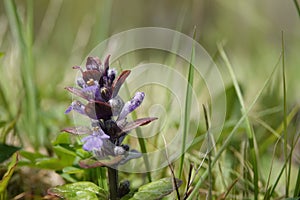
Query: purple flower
{"points": [[81, 83], [132, 105], [98, 82], [93, 92], [95, 140], [77, 106], [99, 86]]}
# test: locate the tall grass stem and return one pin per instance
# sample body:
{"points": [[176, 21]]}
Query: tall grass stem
{"points": [[230, 136], [285, 133], [249, 129], [187, 107]]}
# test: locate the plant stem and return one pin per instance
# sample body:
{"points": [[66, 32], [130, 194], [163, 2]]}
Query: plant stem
{"points": [[113, 183]]}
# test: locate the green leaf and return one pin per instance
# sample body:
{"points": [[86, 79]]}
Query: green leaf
{"points": [[72, 170], [9, 173], [82, 153], [7, 151], [65, 158], [128, 196], [80, 190], [31, 156], [50, 163], [64, 152], [69, 178], [63, 138], [156, 189], [1, 54]]}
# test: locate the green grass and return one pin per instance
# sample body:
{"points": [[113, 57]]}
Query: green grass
{"points": [[230, 136], [187, 107], [23, 34], [256, 155], [249, 129]]}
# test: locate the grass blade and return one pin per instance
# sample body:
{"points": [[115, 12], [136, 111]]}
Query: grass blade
{"points": [[267, 188], [249, 129], [288, 169], [24, 36], [187, 107], [172, 170], [48, 23], [277, 133], [14, 22], [282, 170], [209, 146], [4, 102], [7, 176], [230, 136], [297, 186], [297, 7]]}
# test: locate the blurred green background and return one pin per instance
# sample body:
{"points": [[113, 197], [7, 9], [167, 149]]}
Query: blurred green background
{"points": [[42, 41], [63, 32]]}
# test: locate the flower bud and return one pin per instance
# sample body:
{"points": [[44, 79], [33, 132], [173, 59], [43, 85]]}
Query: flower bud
{"points": [[132, 104]]}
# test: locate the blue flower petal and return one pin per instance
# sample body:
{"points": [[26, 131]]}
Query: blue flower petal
{"points": [[131, 105], [77, 106], [95, 140], [92, 142]]}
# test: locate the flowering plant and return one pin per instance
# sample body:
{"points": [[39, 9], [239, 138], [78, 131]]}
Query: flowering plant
{"points": [[99, 87]]}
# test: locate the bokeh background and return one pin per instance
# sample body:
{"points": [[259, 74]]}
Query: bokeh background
{"points": [[38, 51], [64, 32]]}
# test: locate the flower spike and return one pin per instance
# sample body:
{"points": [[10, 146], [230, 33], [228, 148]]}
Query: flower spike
{"points": [[99, 87]]}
